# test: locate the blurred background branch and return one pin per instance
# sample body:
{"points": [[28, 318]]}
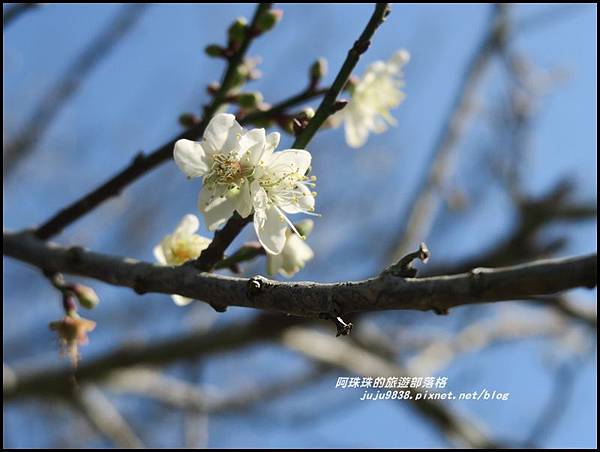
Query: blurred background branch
{"points": [[23, 144]]}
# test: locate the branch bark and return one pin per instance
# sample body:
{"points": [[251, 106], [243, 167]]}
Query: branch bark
{"points": [[310, 299]]}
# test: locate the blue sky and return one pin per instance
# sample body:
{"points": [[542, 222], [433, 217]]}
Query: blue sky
{"points": [[131, 102]]}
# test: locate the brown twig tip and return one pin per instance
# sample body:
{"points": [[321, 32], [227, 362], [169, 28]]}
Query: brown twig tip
{"points": [[404, 268]]}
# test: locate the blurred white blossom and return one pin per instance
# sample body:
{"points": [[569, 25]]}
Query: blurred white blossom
{"points": [[372, 98], [295, 253], [181, 246]]}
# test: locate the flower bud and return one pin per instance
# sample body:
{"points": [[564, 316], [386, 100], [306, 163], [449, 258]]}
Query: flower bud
{"points": [[188, 120], [249, 100], [268, 20], [212, 88], [214, 50], [237, 32], [86, 296], [286, 123], [304, 227], [265, 123], [307, 113], [318, 70]]}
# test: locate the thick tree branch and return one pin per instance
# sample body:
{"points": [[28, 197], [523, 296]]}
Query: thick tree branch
{"points": [[309, 299]]}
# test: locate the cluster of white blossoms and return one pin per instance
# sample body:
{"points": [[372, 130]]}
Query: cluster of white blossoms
{"points": [[372, 98], [241, 172]]}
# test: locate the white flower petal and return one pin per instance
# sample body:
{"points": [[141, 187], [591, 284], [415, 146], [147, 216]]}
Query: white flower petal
{"points": [[252, 146], [243, 201], [295, 255], [300, 249], [356, 130], [399, 59], [181, 300], [304, 203], [188, 225], [223, 133], [218, 211], [296, 160], [274, 263], [259, 196], [270, 227], [159, 254], [191, 158], [271, 144]]}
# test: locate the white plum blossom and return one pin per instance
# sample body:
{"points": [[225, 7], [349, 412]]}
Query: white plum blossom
{"points": [[295, 252], [280, 185], [225, 158], [181, 246], [372, 98], [241, 172]]}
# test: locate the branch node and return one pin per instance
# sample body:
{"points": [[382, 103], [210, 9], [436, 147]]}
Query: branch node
{"points": [[403, 268], [360, 47], [218, 307], [139, 158], [138, 285], [477, 281], [255, 286]]}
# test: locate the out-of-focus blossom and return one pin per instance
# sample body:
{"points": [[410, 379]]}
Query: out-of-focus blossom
{"points": [[372, 97]]}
